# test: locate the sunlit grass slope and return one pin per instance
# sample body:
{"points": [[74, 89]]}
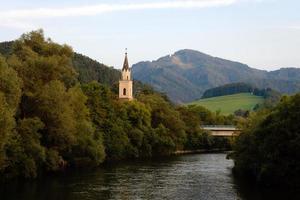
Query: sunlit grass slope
{"points": [[230, 103]]}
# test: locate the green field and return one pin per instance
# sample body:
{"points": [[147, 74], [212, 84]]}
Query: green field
{"points": [[230, 103]]}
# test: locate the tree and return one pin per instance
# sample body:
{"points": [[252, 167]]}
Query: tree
{"points": [[164, 117], [268, 149], [39, 61], [25, 152], [7, 124], [10, 85], [10, 92], [89, 147], [54, 128]]}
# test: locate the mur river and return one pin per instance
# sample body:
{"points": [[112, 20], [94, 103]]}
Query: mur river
{"points": [[195, 176]]}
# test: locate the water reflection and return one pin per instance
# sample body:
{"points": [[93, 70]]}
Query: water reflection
{"points": [[199, 176]]}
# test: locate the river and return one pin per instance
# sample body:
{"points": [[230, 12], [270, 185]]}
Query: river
{"points": [[194, 176]]}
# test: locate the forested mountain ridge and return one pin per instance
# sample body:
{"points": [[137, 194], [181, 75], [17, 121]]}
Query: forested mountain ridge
{"points": [[186, 74], [88, 69], [91, 70]]}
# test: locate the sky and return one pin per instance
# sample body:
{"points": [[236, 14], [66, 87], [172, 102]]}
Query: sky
{"points": [[264, 34]]}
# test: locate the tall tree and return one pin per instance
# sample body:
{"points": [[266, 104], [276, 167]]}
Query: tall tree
{"points": [[10, 92]]}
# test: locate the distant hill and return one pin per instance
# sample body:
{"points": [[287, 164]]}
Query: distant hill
{"points": [[185, 75], [230, 103], [6, 48], [87, 68]]}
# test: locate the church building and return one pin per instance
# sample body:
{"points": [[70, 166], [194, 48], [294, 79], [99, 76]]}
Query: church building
{"points": [[125, 84]]}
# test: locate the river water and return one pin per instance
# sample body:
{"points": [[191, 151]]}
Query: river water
{"points": [[195, 176]]}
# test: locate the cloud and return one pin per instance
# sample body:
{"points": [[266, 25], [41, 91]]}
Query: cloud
{"points": [[104, 8], [294, 27], [12, 23]]}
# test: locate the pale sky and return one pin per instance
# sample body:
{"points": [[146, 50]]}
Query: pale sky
{"points": [[264, 34]]}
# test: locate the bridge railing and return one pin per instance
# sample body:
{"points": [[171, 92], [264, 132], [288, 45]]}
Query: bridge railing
{"points": [[222, 130], [218, 126]]}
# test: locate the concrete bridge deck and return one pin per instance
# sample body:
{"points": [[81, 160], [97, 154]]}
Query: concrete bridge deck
{"points": [[222, 130]]}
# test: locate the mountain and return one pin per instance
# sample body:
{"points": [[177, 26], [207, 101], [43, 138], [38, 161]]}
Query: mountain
{"points": [[87, 68], [186, 74], [90, 70]]}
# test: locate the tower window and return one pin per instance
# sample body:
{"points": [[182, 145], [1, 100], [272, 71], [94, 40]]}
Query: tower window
{"points": [[127, 77], [124, 91]]}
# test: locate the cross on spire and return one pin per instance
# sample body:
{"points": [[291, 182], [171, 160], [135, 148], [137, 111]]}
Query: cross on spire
{"points": [[125, 64]]}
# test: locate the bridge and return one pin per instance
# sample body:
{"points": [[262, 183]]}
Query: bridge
{"points": [[222, 130]]}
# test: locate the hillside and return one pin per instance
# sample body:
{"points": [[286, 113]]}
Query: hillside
{"points": [[228, 89], [87, 68], [230, 103], [90, 70], [236, 88], [186, 74]]}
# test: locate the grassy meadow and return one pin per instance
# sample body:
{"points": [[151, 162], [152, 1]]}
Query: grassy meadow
{"points": [[230, 103]]}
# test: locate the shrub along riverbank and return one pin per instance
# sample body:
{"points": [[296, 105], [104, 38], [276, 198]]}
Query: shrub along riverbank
{"points": [[268, 149], [49, 121]]}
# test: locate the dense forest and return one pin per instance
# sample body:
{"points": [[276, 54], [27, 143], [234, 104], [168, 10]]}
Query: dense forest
{"points": [[227, 89], [50, 121], [268, 149]]}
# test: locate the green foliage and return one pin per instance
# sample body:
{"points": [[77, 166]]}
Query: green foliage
{"points": [[25, 154], [196, 137], [10, 84], [166, 118], [54, 110], [7, 124], [268, 148], [54, 128], [89, 146], [39, 61], [10, 92]]}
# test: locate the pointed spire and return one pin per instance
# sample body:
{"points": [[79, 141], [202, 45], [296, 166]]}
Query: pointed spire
{"points": [[125, 64]]}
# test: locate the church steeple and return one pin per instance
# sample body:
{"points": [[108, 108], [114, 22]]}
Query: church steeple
{"points": [[125, 64], [125, 83]]}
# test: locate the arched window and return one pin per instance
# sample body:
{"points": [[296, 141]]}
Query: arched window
{"points": [[127, 77], [124, 91]]}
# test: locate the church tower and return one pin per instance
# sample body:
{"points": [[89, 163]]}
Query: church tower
{"points": [[125, 84]]}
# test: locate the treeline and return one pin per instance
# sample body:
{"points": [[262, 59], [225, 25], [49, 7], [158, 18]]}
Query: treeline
{"points": [[227, 89], [268, 149], [49, 121], [235, 88], [88, 69]]}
